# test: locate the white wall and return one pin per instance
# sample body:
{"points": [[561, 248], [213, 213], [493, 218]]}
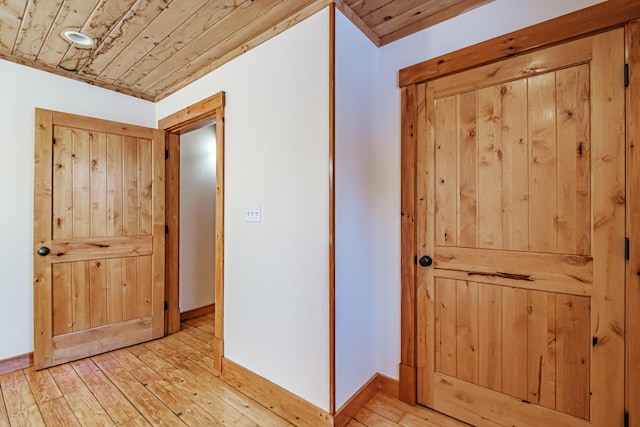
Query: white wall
{"points": [[356, 198], [492, 20], [197, 218], [276, 272], [276, 155], [23, 89]]}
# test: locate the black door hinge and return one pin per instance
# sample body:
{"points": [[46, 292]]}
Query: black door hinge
{"points": [[626, 419], [626, 248], [166, 305], [626, 75], [415, 259], [166, 154], [166, 229]]}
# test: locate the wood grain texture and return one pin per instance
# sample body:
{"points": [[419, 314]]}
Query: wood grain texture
{"points": [[581, 23], [42, 231], [360, 399], [152, 48], [191, 117], [282, 402], [133, 386], [106, 268], [607, 154], [632, 40], [408, 247], [425, 242], [553, 280], [113, 247], [16, 363], [478, 404], [172, 239], [219, 256]]}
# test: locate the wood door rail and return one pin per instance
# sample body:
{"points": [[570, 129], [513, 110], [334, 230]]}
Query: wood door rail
{"points": [[502, 275]]}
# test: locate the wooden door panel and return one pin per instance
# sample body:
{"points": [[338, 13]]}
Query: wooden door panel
{"points": [[508, 181], [520, 317], [81, 184], [101, 287], [542, 337]]}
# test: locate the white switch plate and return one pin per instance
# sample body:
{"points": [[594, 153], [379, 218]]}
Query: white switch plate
{"points": [[253, 214]]}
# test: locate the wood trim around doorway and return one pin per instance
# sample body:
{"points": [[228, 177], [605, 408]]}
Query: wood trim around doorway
{"points": [[589, 21], [190, 118]]}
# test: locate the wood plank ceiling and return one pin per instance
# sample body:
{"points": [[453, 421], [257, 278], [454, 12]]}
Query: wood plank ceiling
{"points": [[152, 48]]}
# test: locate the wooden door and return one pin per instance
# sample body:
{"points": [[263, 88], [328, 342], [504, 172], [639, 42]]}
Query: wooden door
{"points": [[520, 203], [99, 209]]}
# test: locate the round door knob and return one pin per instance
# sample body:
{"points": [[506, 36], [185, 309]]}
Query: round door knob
{"points": [[425, 261], [43, 251]]}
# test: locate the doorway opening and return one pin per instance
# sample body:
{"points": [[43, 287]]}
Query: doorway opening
{"points": [[197, 215], [189, 124]]}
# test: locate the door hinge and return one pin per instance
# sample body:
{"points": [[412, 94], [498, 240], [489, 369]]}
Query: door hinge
{"points": [[415, 259], [626, 419], [626, 248], [166, 229], [166, 305], [626, 75], [166, 154]]}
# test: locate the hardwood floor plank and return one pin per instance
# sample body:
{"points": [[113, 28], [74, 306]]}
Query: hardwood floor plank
{"points": [[58, 413], [114, 403], [188, 402], [209, 394], [42, 385], [84, 405], [369, 418], [381, 400], [203, 360], [188, 337], [53, 406], [187, 370], [4, 418], [410, 420], [202, 323], [138, 421], [21, 406], [154, 410], [382, 407], [170, 381]]}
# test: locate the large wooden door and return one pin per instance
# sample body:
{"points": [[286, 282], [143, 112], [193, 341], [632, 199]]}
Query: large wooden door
{"points": [[99, 213], [520, 203]]}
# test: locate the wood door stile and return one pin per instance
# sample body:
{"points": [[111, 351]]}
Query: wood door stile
{"points": [[633, 219], [99, 203], [519, 199]]}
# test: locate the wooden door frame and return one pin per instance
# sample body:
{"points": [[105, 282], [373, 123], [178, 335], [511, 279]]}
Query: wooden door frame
{"points": [[589, 21], [187, 119]]}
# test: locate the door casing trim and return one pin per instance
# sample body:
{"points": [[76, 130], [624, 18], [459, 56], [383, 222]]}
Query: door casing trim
{"points": [[583, 23], [192, 117]]}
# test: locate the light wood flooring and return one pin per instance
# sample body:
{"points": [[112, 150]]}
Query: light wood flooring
{"points": [[164, 382]]}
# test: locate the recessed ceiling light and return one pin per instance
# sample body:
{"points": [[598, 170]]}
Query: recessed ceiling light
{"points": [[77, 38]]}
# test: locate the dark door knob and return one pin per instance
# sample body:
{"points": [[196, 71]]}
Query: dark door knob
{"points": [[425, 261], [43, 251]]}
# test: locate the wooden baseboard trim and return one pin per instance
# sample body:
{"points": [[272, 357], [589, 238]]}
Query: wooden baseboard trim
{"points": [[377, 383], [197, 312], [280, 401], [16, 363]]}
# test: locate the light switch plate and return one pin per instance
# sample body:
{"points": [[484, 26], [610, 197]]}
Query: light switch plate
{"points": [[253, 214]]}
